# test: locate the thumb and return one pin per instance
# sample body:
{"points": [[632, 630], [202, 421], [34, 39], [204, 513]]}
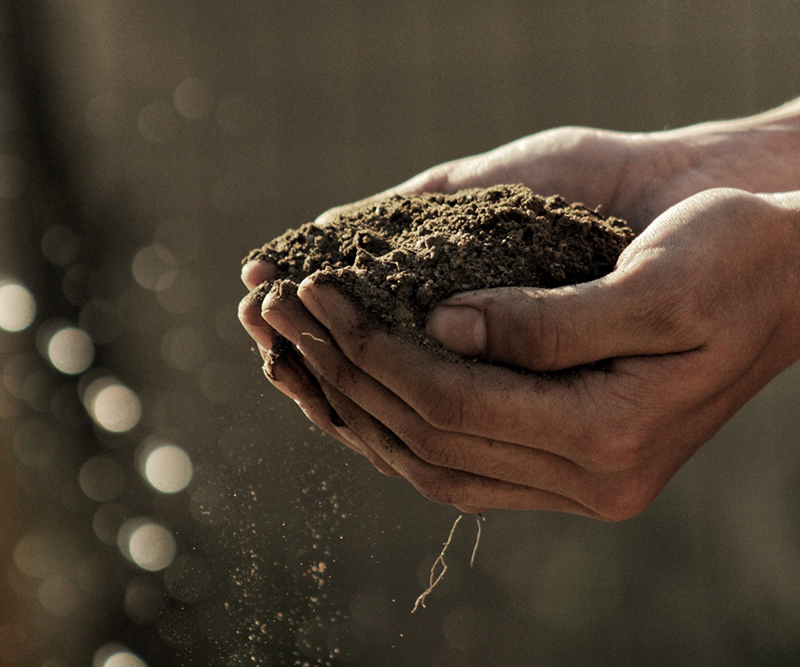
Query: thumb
{"points": [[552, 329]]}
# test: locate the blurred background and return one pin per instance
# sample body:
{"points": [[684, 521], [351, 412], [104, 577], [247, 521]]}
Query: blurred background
{"points": [[161, 505]]}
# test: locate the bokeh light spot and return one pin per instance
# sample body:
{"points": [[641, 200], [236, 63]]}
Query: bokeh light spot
{"points": [[193, 98], [77, 284], [35, 556], [154, 267], [116, 655], [148, 544], [168, 468], [70, 350], [59, 596], [124, 659], [183, 348], [17, 307], [183, 296], [112, 405], [107, 520]]}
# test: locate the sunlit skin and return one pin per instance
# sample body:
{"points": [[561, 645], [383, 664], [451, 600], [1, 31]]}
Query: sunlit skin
{"points": [[701, 311]]}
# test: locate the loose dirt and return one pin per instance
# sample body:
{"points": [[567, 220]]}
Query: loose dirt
{"points": [[399, 257]]}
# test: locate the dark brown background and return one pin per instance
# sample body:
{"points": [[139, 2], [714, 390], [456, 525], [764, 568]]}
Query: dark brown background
{"points": [[302, 106]]}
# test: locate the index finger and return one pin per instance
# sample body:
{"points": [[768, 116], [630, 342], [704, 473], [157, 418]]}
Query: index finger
{"points": [[256, 271], [470, 397]]}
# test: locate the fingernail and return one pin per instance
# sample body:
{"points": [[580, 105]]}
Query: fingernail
{"points": [[306, 293], [253, 322], [269, 372], [258, 269], [261, 336], [282, 324], [461, 329]]}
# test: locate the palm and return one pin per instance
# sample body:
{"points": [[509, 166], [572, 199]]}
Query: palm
{"points": [[632, 176]]}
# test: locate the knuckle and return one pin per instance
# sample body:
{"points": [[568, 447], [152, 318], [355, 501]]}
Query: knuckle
{"points": [[548, 334], [621, 454], [671, 311], [342, 376], [435, 486], [356, 345], [445, 177], [571, 136], [380, 465], [623, 501], [544, 340], [729, 202], [435, 450], [442, 405]]}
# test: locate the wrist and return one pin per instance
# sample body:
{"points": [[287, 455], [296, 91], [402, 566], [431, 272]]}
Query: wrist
{"points": [[786, 240], [760, 153]]}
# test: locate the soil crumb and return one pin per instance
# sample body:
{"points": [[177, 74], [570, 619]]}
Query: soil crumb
{"points": [[399, 257]]}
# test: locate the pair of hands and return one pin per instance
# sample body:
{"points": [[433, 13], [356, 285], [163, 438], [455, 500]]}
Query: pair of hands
{"points": [[701, 311]]}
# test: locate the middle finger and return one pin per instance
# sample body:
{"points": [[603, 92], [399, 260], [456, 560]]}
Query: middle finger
{"points": [[482, 456]]}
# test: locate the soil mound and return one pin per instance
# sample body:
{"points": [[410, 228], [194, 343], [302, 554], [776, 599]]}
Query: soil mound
{"points": [[399, 257]]}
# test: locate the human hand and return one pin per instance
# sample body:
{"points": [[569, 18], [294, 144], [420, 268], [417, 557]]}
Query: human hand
{"points": [[601, 168], [635, 176], [699, 314]]}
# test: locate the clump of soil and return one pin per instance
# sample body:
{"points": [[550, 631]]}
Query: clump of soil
{"points": [[399, 257]]}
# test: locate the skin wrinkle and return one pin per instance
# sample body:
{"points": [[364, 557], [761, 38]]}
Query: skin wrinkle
{"points": [[691, 335], [388, 431], [621, 173]]}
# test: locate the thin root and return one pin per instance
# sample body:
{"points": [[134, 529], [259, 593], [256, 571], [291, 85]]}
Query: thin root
{"points": [[435, 581], [436, 578], [319, 340], [479, 518]]}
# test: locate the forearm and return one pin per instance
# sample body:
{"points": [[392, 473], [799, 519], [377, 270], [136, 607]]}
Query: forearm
{"points": [[759, 153]]}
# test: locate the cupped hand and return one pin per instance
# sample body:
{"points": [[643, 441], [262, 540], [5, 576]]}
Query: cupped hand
{"points": [[635, 176], [700, 313]]}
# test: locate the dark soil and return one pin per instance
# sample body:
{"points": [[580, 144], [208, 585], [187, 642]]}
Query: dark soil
{"points": [[401, 256]]}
